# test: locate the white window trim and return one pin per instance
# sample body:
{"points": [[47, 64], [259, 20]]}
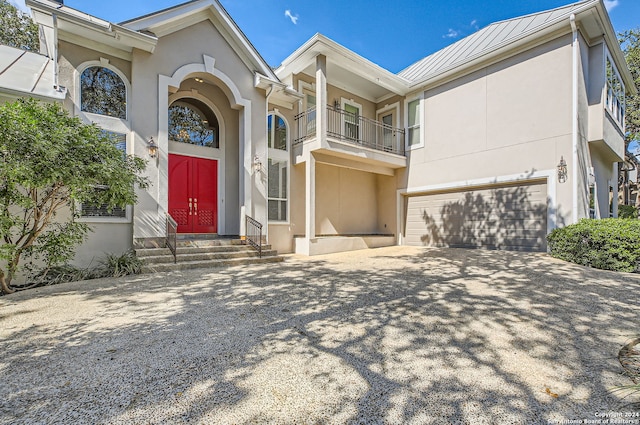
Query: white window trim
{"points": [[280, 155], [420, 98], [608, 57], [97, 118], [343, 102]]}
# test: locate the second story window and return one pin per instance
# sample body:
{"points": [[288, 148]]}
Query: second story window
{"points": [[413, 123], [278, 168], [615, 94], [103, 92]]}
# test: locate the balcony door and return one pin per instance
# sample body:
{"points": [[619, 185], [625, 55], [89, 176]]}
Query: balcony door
{"points": [[193, 193], [387, 134]]}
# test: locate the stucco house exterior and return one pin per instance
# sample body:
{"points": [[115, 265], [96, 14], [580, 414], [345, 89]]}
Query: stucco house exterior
{"points": [[491, 142]]}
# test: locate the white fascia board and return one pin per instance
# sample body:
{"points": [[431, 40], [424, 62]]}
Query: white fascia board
{"points": [[503, 50], [264, 82], [91, 27], [305, 56]]}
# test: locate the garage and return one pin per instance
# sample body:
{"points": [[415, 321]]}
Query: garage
{"points": [[510, 217]]}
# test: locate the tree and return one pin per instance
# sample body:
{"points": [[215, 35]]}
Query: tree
{"points": [[630, 43], [50, 162], [17, 29]]}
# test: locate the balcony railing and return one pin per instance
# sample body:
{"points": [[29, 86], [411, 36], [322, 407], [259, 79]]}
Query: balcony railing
{"points": [[352, 129]]}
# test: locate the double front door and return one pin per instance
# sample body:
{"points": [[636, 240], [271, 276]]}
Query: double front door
{"points": [[193, 193]]}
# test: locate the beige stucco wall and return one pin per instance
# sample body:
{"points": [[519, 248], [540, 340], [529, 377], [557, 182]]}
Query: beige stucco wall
{"points": [[172, 52], [510, 118], [346, 201]]}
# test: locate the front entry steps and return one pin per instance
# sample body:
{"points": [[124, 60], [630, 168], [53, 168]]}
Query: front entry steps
{"points": [[195, 253]]}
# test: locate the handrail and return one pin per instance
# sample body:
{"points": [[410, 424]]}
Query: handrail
{"points": [[353, 129], [254, 234], [171, 236]]}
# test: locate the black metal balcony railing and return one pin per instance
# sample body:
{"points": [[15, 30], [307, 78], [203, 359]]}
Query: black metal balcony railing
{"points": [[353, 129]]}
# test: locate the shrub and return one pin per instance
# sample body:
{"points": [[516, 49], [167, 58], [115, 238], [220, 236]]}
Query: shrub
{"points": [[608, 244], [627, 211], [119, 265]]}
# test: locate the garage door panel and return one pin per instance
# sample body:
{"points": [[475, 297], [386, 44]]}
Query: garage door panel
{"points": [[506, 217]]}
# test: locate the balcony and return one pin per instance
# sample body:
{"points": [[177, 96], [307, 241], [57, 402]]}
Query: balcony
{"points": [[351, 129]]}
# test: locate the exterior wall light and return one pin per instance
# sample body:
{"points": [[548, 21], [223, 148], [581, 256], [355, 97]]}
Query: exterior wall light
{"points": [[562, 170], [152, 148], [257, 164]]}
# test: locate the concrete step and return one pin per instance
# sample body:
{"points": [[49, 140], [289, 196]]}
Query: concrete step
{"points": [[150, 252], [204, 256], [188, 265], [198, 243]]}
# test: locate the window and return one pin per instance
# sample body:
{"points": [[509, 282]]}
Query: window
{"points": [[615, 93], [278, 168], [413, 123], [191, 121], [95, 211], [103, 92], [351, 121]]}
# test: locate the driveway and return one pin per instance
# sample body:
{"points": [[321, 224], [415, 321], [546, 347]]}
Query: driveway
{"points": [[392, 335]]}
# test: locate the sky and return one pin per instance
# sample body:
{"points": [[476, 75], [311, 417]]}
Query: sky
{"points": [[393, 34]]}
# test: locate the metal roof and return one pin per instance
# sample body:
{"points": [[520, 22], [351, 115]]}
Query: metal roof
{"points": [[27, 73], [486, 40]]}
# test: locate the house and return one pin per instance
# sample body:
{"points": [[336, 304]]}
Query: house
{"points": [[491, 142]]}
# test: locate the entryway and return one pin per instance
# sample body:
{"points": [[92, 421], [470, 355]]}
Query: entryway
{"points": [[193, 193]]}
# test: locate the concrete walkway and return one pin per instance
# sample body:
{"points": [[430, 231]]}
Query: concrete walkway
{"points": [[393, 335]]}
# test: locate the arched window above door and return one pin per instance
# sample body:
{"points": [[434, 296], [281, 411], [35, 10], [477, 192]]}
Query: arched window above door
{"points": [[103, 92], [193, 122]]}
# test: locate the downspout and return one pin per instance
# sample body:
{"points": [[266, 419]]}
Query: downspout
{"points": [[574, 207], [55, 52]]}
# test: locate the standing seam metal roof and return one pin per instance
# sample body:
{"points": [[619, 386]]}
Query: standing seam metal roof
{"points": [[484, 41]]}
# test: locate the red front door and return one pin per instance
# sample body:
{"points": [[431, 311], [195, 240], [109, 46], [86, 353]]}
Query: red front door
{"points": [[193, 193]]}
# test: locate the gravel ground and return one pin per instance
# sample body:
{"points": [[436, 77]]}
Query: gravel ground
{"points": [[392, 335]]}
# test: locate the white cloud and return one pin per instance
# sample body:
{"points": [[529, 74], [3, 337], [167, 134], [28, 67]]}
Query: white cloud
{"points": [[20, 5], [294, 19], [451, 34], [610, 4]]}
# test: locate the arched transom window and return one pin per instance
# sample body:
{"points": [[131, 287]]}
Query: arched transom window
{"points": [[103, 92], [193, 122]]}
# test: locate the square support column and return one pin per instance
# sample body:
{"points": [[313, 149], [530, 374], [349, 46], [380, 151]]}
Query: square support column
{"points": [[321, 99], [310, 198]]}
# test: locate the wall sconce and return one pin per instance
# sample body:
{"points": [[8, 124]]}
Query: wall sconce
{"points": [[562, 170], [152, 148], [257, 164]]}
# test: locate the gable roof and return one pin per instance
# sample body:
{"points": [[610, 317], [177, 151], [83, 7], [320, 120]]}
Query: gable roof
{"points": [[175, 18], [507, 34], [28, 73]]}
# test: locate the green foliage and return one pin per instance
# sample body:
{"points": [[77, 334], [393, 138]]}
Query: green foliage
{"points": [[49, 161], [120, 265], [609, 244], [187, 125], [627, 211], [59, 274], [103, 92], [630, 43], [17, 29]]}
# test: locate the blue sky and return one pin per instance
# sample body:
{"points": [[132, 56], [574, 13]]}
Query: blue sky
{"points": [[392, 34]]}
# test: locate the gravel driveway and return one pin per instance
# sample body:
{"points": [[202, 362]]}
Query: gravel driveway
{"points": [[392, 335]]}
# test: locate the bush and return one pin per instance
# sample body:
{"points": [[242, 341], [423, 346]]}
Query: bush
{"points": [[119, 265], [627, 211], [608, 244]]}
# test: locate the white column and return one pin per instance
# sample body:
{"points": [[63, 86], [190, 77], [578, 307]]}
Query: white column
{"points": [[321, 98], [310, 197]]}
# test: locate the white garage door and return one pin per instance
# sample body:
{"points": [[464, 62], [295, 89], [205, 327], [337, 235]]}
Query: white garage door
{"points": [[511, 217]]}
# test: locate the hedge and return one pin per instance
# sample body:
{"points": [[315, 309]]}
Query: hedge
{"points": [[608, 244], [627, 211]]}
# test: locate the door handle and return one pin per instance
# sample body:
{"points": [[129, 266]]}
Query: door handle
{"points": [[195, 204], [190, 206]]}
